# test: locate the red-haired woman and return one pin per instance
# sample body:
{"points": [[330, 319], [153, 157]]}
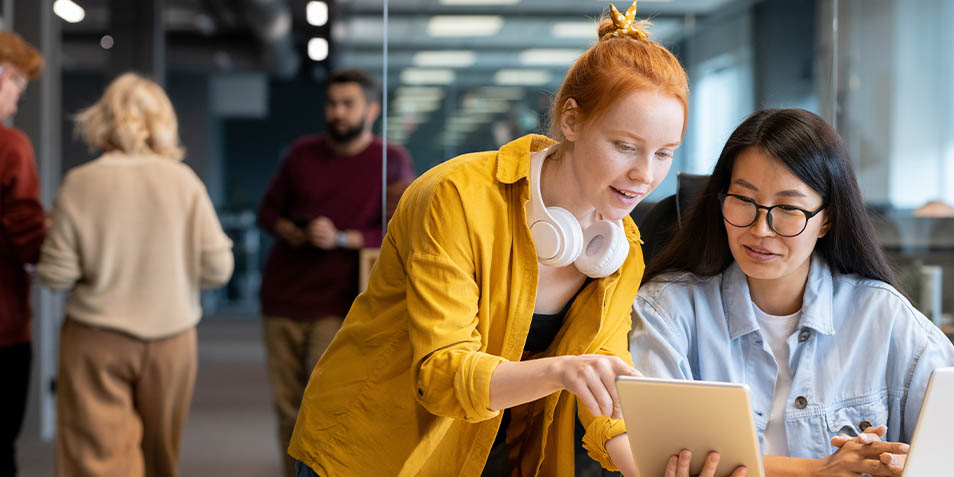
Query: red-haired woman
{"points": [[506, 282]]}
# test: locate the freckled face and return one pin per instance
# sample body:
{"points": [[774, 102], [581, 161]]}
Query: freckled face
{"points": [[620, 158]]}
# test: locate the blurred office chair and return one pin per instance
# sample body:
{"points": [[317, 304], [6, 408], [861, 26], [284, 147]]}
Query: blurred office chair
{"points": [[658, 225]]}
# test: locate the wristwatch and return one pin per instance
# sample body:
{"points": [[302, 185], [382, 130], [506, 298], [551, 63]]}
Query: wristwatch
{"points": [[342, 239]]}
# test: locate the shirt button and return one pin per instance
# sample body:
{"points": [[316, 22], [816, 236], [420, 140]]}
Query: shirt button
{"points": [[804, 335], [801, 402], [864, 425]]}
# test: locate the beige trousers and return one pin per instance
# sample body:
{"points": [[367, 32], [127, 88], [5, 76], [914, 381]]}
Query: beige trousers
{"points": [[293, 348], [122, 402]]}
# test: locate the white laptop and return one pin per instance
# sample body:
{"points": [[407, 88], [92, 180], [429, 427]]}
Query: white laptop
{"points": [[933, 441]]}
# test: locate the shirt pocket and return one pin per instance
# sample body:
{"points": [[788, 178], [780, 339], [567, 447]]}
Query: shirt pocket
{"points": [[854, 416]]}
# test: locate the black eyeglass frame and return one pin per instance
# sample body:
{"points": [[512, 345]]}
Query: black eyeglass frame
{"points": [[768, 213]]}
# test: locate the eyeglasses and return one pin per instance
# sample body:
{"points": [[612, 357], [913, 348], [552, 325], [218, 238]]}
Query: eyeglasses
{"points": [[785, 220]]}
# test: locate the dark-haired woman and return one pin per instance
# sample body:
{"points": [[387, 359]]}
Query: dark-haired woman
{"points": [[777, 281]]}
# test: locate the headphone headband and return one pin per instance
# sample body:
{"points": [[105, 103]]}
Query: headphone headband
{"points": [[536, 210]]}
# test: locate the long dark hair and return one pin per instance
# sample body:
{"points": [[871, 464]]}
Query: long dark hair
{"points": [[814, 152]]}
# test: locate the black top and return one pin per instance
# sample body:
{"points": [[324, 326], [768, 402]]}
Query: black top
{"points": [[544, 327]]}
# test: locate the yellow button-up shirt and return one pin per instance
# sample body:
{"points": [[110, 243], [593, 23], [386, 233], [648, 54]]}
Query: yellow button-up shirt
{"points": [[404, 388]]}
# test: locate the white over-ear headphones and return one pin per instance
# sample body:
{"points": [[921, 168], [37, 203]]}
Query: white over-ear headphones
{"points": [[597, 251]]}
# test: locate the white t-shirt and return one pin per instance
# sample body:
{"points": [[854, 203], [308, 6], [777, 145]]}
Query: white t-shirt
{"points": [[776, 330]]}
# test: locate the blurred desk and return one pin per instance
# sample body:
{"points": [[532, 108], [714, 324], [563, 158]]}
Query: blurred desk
{"points": [[921, 252], [366, 259]]}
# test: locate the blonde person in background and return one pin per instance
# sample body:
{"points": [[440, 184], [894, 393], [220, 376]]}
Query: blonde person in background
{"points": [[482, 336], [134, 238]]}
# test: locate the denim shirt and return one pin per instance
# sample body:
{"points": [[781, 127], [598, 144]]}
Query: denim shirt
{"points": [[861, 355]]}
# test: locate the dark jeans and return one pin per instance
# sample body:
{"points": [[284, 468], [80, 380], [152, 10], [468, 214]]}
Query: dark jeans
{"points": [[303, 470], [15, 376]]}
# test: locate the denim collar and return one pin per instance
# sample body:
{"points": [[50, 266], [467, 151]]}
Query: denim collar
{"points": [[816, 301]]}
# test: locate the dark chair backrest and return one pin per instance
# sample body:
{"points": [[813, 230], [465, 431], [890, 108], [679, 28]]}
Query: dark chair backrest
{"points": [[659, 224]]}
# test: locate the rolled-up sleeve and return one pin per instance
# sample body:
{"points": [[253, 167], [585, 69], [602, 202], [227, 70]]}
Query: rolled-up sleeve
{"points": [[599, 430], [451, 372]]}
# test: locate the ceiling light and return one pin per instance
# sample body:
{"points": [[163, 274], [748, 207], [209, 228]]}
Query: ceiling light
{"points": [[412, 106], [549, 56], [574, 30], [422, 92], [446, 58], [469, 119], [522, 77], [512, 93], [406, 118], [318, 49], [464, 25], [69, 11], [316, 13], [427, 76], [486, 105]]}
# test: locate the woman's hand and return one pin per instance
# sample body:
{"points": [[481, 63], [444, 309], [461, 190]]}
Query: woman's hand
{"points": [[592, 378], [678, 466], [865, 454]]}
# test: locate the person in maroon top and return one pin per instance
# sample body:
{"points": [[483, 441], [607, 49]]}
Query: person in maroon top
{"points": [[323, 206], [22, 230]]}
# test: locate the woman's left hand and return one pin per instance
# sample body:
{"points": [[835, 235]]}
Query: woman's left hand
{"points": [[894, 462], [678, 466]]}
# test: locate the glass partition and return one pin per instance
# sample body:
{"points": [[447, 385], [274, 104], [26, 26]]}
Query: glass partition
{"points": [[895, 109], [471, 75]]}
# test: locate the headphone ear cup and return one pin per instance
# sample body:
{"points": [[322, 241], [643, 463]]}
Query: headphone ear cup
{"points": [[606, 249], [572, 238]]}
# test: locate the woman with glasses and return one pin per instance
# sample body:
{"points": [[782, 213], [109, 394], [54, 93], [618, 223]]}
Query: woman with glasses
{"points": [[776, 280]]}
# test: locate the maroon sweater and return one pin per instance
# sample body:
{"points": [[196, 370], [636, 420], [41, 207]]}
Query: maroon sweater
{"points": [[307, 283], [22, 230]]}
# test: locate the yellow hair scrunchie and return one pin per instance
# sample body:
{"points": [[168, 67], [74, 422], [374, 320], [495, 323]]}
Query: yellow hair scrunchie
{"points": [[626, 25]]}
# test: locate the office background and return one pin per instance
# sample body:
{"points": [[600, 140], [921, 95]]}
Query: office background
{"points": [[247, 77]]}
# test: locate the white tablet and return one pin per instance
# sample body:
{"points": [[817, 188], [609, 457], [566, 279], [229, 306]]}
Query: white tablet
{"points": [[664, 416], [932, 442]]}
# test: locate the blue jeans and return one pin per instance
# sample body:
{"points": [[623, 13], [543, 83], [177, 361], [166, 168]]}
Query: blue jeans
{"points": [[303, 470]]}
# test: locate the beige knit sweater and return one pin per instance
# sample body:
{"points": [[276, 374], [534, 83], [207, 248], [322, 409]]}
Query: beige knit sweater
{"points": [[135, 237]]}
